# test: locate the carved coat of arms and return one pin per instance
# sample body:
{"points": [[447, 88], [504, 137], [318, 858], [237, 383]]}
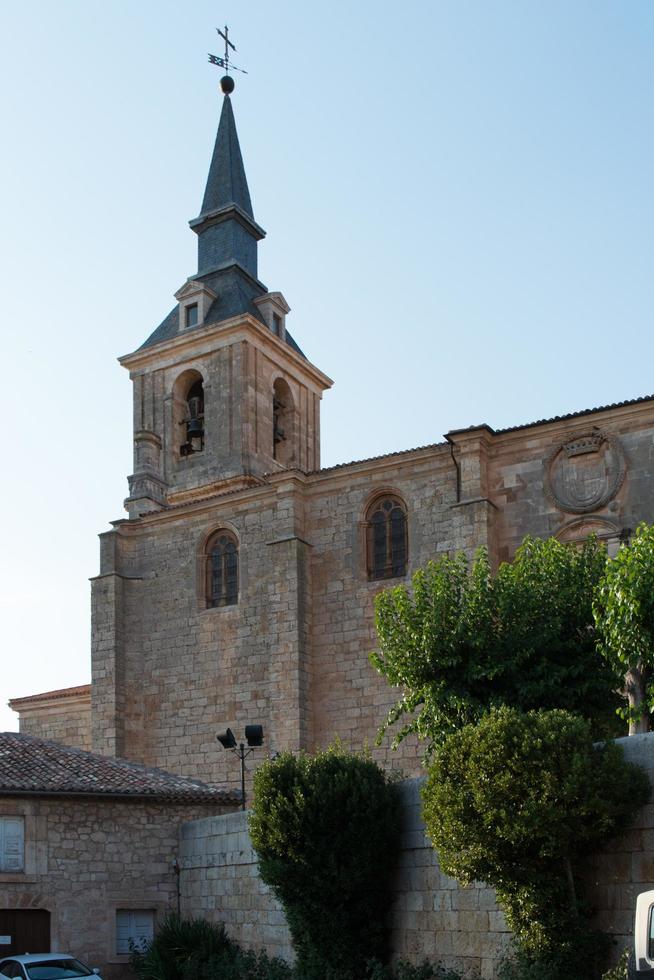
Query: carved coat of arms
{"points": [[584, 473]]}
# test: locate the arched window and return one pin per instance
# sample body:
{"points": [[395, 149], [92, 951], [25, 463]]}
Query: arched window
{"points": [[194, 420], [222, 569], [188, 402], [283, 423], [386, 538]]}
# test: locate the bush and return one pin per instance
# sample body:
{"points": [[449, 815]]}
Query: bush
{"points": [[194, 949], [513, 801], [325, 829], [581, 956], [407, 971], [621, 970], [179, 948]]}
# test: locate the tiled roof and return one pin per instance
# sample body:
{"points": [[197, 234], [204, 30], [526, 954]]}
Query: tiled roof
{"points": [[372, 459], [60, 695], [557, 418], [41, 767], [484, 425]]}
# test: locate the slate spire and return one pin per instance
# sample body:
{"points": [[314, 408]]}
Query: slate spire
{"points": [[226, 229], [226, 183]]}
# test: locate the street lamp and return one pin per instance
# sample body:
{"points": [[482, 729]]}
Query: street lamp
{"points": [[254, 739]]}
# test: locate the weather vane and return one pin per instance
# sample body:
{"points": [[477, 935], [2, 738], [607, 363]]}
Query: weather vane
{"points": [[226, 83]]}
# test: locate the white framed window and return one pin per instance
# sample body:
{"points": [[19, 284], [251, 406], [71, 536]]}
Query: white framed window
{"points": [[12, 844], [134, 927], [191, 315]]}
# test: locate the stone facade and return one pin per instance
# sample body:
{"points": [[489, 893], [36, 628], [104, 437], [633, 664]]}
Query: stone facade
{"points": [[227, 438], [64, 716], [87, 858], [292, 653], [431, 915]]}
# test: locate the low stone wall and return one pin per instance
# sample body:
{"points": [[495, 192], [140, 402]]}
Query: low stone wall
{"points": [[219, 881], [431, 915]]}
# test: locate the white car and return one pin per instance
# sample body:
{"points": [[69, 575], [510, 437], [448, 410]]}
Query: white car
{"points": [[44, 966], [642, 955]]}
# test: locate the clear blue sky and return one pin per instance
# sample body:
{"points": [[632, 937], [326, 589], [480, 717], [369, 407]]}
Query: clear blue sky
{"points": [[459, 207]]}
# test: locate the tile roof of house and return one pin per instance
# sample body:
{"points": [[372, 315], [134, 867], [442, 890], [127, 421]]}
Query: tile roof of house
{"points": [[37, 766]]}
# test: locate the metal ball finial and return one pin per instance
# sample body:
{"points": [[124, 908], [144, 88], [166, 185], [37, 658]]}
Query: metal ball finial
{"points": [[227, 84]]}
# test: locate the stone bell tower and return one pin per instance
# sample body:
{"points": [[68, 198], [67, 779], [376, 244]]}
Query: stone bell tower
{"points": [[226, 412], [222, 393]]}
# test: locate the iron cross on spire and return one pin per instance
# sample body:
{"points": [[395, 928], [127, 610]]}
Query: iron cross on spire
{"points": [[224, 62]]}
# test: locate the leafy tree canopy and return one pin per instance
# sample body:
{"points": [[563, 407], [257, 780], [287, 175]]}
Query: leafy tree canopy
{"points": [[462, 640], [624, 616], [514, 800]]}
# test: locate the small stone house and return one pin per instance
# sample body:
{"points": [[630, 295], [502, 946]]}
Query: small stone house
{"points": [[88, 849]]}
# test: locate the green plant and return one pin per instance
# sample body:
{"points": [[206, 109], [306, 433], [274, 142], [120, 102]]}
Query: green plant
{"points": [[195, 949], [180, 946], [240, 964], [624, 616], [408, 971], [580, 956], [325, 829], [621, 970], [463, 640], [513, 801]]}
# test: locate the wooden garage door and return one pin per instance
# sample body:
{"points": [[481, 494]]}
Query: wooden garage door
{"points": [[24, 931]]}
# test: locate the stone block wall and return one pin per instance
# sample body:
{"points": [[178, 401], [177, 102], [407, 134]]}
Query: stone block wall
{"points": [[431, 916], [63, 716], [85, 859], [220, 882]]}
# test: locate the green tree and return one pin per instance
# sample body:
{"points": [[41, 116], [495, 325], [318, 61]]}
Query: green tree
{"points": [[513, 801], [462, 640], [624, 616], [325, 829]]}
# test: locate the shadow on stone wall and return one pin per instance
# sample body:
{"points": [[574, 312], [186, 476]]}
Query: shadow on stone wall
{"points": [[432, 916]]}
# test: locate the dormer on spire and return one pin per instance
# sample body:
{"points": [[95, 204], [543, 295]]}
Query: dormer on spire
{"points": [[226, 229]]}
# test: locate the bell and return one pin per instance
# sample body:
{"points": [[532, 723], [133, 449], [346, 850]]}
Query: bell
{"points": [[194, 429], [194, 407]]}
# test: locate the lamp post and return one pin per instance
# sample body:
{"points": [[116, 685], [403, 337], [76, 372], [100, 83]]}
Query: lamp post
{"points": [[254, 739], [177, 869]]}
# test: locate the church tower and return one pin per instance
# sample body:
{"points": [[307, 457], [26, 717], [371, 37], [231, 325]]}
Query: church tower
{"points": [[201, 608], [222, 393]]}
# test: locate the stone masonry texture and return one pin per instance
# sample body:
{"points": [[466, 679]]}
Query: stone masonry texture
{"points": [[85, 858], [431, 916], [292, 654]]}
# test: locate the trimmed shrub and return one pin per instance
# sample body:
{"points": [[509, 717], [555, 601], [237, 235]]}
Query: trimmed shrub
{"points": [[325, 829], [513, 801], [194, 949]]}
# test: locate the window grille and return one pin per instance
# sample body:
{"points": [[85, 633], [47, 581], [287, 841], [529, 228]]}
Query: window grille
{"points": [[387, 542], [222, 570]]}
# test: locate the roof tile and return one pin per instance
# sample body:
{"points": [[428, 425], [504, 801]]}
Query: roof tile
{"points": [[39, 766]]}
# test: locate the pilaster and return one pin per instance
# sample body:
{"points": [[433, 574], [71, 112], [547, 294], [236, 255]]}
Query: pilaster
{"points": [[108, 695], [290, 672], [471, 450]]}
